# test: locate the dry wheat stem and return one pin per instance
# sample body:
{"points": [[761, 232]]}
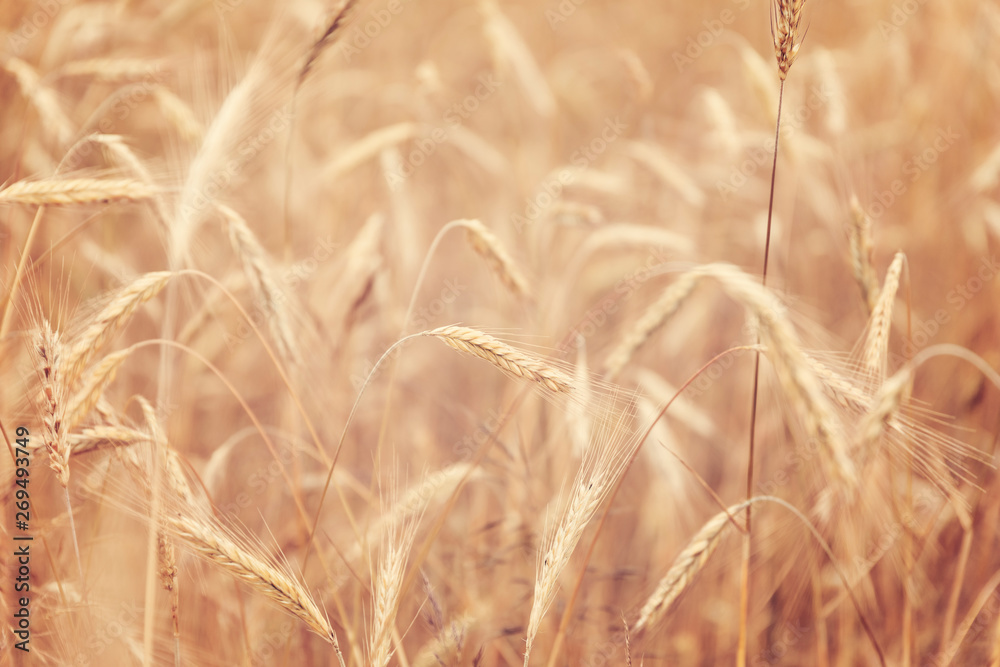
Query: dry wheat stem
{"points": [[652, 319], [489, 247], [879, 326], [280, 587], [77, 191], [512, 362]]}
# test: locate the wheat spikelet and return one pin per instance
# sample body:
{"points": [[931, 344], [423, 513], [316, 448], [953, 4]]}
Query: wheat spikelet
{"points": [[44, 99], [603, 464], [213, 544], [93, 386], [48, 361], [877, 344], [76, 191], [686, 566], [512, 362], [386, 590], [785, 18], [263, 279], [172, 468], [859, 234], [488, 246], [652, 319], [587, 497], [112, 318]]}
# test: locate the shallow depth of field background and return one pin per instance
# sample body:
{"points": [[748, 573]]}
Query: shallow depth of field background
{"points": [[555, 124]]}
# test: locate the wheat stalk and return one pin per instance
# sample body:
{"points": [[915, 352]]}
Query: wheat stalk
{"points": [[512, 362], [112, 318], [77, 191], [685, 568], [489, 247]]}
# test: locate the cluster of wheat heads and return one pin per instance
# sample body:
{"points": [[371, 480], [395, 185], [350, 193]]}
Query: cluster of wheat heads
{"points": [[423, 333]]}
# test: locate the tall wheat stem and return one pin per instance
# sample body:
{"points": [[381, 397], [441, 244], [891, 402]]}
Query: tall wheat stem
{"points": [[741, 652]]}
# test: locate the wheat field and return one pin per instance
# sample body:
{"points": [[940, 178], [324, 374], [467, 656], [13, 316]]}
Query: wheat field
{"points": [[484, 333]]}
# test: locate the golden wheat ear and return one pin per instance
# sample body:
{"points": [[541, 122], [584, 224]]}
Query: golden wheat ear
{"points": [[512, 362], [785, 18]]}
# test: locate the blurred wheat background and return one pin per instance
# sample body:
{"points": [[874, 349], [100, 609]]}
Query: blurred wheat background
{"points": [[216, 218]]}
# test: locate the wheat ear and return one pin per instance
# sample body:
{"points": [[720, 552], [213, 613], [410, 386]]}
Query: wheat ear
{"points": [[512, 362], [263, 278], [76, 191], [488, 246], [785, 18], [685, 568], [49, 364], [112, 318], [803, 388], [93, 387], [652, 319], [44, 99], [859, 234], [880, 324], [387, 589], [279, 586]]}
